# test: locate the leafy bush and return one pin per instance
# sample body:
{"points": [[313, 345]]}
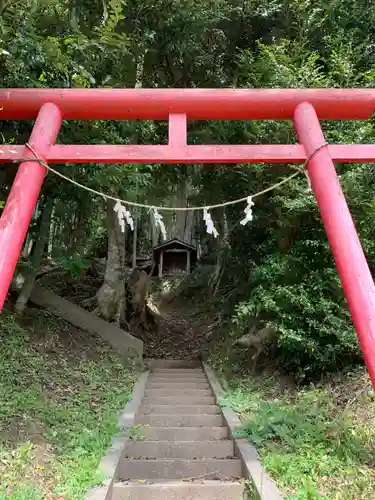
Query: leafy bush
{"points": [[75, 265], [314, 333]]}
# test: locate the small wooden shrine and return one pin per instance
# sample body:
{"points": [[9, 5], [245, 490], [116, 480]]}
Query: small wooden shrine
{"points": [[174, 257]]}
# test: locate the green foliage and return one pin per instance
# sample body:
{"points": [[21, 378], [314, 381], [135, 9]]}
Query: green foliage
{"points": [[59, 409], [307, 443], [306, 309], [74, 264]]}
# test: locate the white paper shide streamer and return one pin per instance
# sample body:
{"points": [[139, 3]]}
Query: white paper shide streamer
{"points": [[124, 216], [248, 212], [160, 223], [210, 228]]}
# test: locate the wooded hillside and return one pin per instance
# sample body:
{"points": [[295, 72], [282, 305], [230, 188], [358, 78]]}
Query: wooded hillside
{"points": [[277, 269]]}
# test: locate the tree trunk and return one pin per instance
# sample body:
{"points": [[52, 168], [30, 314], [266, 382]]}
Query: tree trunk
{"points": [[27, 247], [140, 315], [182, 227], [29, 242], [51, 232], [154, 231], [221, 252], [36, 258], [78, 239], [111, 295], [135, 236]]}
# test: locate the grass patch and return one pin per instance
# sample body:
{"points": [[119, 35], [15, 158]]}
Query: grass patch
{"points": [[60, 392], [315, 442]]}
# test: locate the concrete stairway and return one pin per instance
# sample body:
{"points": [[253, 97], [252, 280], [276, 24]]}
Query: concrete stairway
{"points": [[183, 451]]}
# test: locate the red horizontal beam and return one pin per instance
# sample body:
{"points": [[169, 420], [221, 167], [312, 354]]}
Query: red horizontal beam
{"points": [[197, 104], [187, 154], [271, 153]]}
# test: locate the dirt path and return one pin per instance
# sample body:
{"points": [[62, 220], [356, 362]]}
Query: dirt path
{"points": [[180, 334]]}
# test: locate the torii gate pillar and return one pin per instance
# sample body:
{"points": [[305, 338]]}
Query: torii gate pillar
{"points": [[23, 197], [347, 251]]}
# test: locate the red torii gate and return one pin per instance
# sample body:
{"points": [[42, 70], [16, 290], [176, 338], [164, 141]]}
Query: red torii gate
{"points": [[304, 107]]}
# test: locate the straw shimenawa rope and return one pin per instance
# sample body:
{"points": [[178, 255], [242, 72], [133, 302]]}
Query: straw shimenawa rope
{"points": [[300, 170]]}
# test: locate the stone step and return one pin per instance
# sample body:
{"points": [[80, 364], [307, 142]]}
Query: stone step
{"points": [[205, 400], [178, 373], [177, 409], [174, 363], [180, 449], [224, 469], [183, 433], [170, 420], [179, 490], [177, 393], [168, 385], [156, 378], [171, 385]]}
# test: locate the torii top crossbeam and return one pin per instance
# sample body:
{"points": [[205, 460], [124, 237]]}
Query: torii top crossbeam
{"points": [[305, 107], [178, 105], [197, 104]]}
